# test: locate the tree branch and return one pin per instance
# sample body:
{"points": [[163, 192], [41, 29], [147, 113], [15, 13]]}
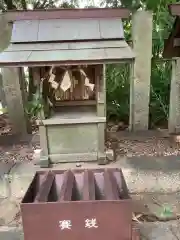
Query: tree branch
{"points": [[24, 5], [43, 4], [2, 7], [36, 4]]}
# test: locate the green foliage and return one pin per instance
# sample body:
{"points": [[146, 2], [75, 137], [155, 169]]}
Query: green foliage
{"points": [[166, 211], [23, 4], [118, 79], [160, 91], [36, 4], [3, 110], [34, 106], [118, 91]]}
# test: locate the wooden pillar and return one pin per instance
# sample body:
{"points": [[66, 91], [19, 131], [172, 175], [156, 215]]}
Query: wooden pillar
{"points": [[140, 84], [44, 156], [131, 107], [101, 112], [2, 95], [12, 79], [174, 106]]}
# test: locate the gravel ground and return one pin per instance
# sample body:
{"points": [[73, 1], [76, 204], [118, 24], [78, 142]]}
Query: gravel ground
{"points": [[154, 143], [16, 153], [148, 147], [125, 144], [125, 148]]}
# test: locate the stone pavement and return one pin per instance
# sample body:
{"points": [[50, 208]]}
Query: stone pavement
{"points": [[160, 230], [143, 175], [5, 169], [149, 231], [11, 233]]}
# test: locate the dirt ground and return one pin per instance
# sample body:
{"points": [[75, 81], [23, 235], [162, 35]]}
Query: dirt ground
{"points": [[12, 148]]}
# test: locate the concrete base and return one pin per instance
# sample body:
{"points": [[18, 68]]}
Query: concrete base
{"points": [[73, 157], [72, 136], [100, 158], [43, 161]]}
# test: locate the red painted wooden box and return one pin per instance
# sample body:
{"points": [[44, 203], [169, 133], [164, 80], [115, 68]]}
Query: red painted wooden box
{"points": [[77, 204]]}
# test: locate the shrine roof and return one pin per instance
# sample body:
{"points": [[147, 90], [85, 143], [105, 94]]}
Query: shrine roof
{"points": [[62, 30], [66, 35], [174, 9]]}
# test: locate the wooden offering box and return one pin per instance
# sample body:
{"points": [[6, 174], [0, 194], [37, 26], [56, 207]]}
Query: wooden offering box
{"points": [[77, 204]]}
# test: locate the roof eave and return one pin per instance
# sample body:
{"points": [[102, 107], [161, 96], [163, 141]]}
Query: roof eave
{"points": [[66, 54], [77, 13], [57, 63]]}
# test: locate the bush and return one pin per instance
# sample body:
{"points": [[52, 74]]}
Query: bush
{"points": [[118, 92]]}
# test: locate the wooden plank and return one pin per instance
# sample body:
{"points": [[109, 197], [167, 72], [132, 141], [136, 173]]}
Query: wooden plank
{"points": [[43, 140], [14, 57], [111, 28], [110, 186], [174, 107], [66, 55], [75, 29], [25, 31], [89, 186], [67, 186], [119, 53], [67, 14], [37, 46], [18, 57], [98, 44], [65, 121], [36, 76], [101, 111], [70, 45], [132, 97], [75, 103], [42, 195]]}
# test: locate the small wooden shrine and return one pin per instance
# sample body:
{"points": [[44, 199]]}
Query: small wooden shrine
{"points": [[67, 50], [172, 44]]}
